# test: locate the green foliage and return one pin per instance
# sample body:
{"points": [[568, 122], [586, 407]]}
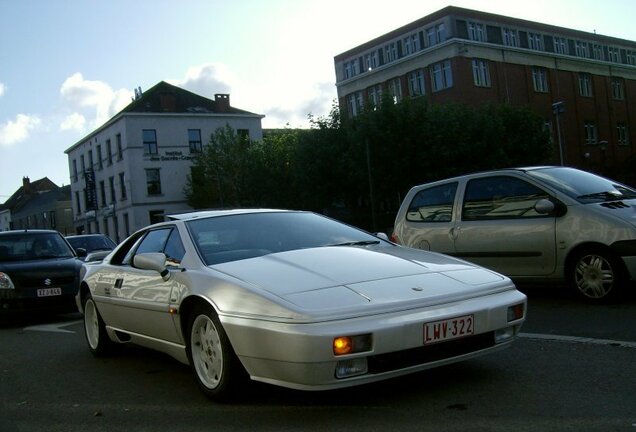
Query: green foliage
{"points": [[346, 167]]}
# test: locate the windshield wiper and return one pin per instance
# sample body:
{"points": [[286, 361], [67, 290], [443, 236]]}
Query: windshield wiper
{"points": [[358, 243], [608, 195]]}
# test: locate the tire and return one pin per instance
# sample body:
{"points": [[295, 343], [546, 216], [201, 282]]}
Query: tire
{"points": [[216, 368], [98, 341], [596, 275]]}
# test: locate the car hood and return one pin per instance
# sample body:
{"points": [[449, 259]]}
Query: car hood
{"points": [[623, 209], [23, 271], [339, 278]]}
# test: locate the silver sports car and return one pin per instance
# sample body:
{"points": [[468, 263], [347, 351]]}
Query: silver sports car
{"points": [[294, 299]]}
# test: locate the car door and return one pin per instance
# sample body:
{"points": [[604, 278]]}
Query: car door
{"points": [[429, 219], [142, 297], [499, 227]]}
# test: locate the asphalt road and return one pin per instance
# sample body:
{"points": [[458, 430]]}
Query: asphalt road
{"points": [[573, 369]]}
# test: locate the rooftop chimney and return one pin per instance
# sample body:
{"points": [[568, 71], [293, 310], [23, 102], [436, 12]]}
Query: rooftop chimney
{"points": [[26, 184], [222, 101]]}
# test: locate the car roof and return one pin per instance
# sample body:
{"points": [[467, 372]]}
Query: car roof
{"points": [[494, 171], [29, 231], [216, 213], [86, 235]]}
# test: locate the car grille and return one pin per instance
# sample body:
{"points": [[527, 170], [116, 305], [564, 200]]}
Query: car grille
{"points": [[38, 282], [428, 354]]}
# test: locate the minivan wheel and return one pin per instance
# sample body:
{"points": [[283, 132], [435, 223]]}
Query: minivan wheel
{"points": [[596, 275]]}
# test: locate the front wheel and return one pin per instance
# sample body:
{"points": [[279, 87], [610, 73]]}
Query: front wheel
{"points": [[216, 368], [98, 341], [596, 275]]}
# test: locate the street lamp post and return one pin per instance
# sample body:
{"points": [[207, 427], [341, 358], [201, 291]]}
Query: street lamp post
{"points": [[558, 108]]}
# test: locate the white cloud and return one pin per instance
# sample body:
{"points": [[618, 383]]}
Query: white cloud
{"points": [[74, 121], [3, 88], [13, 132], [94, 95], [208, 79]]}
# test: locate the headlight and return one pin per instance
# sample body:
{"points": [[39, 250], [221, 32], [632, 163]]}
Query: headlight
{"points": [[343, 345], [5, 281], [515, 312]]}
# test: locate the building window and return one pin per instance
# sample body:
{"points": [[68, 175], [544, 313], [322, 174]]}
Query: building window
{"points": [[416, 83], [581, 49], [375, 95], [590, 132], [597, 52], [631, 57], [441, 76], [410, 44], [390, 52], [90, 160], [351, 69], [153, 181], [82, 165], [111, 184], [354, 102], [105, 225], [156, 216], [102, 190], [371, 60], [194, 140], [109, 152], [614, 54], [618, 90], [476, 32], [100, 164], [510, 37], [78, 208], [126, 224], [150, 141], [435, 34], [481, 73], [560, 45], [585, 84], [74, 170], [122, 186], [535, 41], [623, 134], [120, 151], [395, 90], [540, 79]]}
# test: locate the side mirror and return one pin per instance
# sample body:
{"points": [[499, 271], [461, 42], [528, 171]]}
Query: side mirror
{"points": [[81, 252], [544, 206], [382, 236], [152, 261]]}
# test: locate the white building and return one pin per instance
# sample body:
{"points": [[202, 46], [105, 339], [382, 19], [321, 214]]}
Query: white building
{"points": [[132, 170]]}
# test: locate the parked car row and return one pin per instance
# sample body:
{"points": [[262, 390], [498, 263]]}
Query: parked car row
{"points": [[551, 225]]}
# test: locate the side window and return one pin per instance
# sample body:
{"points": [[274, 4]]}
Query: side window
{"points": [[174, 249], [434, 204], [500, 197], [154, 241]]}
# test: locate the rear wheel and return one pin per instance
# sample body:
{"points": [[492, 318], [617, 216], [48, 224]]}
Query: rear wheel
{"points": [[216, 368], [98, 341], [596, 274]]}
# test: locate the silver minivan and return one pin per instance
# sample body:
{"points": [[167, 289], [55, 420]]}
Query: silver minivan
{"points": [[539, 224]]}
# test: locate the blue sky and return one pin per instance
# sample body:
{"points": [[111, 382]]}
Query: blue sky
{"points": [[67, 66]]}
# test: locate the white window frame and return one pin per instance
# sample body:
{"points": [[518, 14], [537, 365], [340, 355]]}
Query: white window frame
{"points": [[476, 32], [623, 133], [540, 80], [390, 52], [510, 37], [417, 83], [441, 76], [631, 58], [395, 90], [481, 73], [591, 134], [535, 41], [560, 45], [581, 49], [371, 60], [410, 44], [375, 95], [614, 54], [618, 89], [585, 84], [597, 52]]}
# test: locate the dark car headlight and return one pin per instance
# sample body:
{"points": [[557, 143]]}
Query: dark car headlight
{"points": [[6, 282]]}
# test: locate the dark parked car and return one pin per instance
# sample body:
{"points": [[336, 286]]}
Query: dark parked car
{"points": [[38, 271], [91, 247]]}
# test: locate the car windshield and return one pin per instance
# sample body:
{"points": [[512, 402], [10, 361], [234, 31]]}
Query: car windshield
{"points": [[235, 237], [33, 246], [583, 186], [91, 243]]}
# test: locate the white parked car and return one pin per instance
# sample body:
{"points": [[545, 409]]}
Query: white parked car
{"points": [[293, 299], [543, 224]]}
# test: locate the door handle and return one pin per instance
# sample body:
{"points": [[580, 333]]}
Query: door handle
{"points": [[454, 233], [119, 283]]}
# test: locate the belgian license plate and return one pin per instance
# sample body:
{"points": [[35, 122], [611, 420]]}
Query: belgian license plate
{"points": [[452, 328], [48, 292]]}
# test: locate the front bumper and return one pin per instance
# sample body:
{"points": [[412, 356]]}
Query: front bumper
{"points": [[300, 356]]}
